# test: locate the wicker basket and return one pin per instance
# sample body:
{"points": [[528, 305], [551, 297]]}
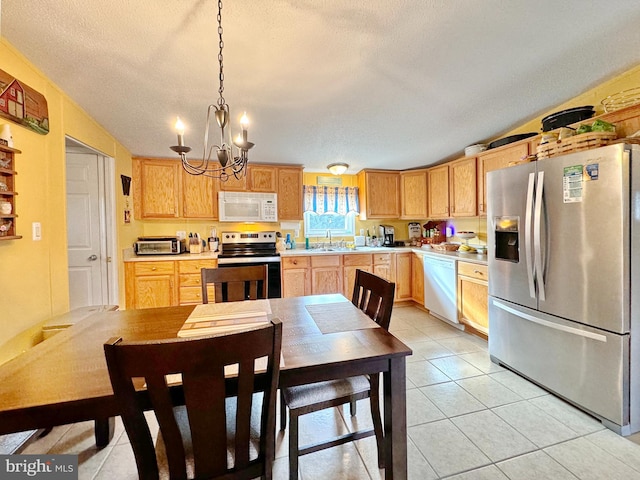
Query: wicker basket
{"points": [[445, 247], [577, 143]]}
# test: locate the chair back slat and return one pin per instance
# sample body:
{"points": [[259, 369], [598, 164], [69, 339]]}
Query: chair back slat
{"points": [[234, 284], [198, 444], [374, 296]]}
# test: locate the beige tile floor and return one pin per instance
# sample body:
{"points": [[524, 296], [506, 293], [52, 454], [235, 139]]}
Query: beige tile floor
{"points": [[467, 419]]}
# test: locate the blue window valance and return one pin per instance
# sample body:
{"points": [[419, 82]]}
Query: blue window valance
{"points": [[340, 200]]}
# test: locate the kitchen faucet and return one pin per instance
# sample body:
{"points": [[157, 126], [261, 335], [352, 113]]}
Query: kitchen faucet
{"points": [[329, 237]]}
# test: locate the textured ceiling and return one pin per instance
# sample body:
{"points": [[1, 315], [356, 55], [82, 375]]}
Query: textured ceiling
{"points": [[374, 83]]}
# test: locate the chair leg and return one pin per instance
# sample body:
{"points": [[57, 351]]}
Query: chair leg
{"points": [[374, 398], [293, 445], [352, 407], [283, 412]]}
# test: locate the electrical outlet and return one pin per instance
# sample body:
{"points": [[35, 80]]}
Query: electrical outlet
{"points": [[36, 230]]}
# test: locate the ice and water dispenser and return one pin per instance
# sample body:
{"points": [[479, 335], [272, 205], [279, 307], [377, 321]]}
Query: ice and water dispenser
{"points": [[506, 235]]}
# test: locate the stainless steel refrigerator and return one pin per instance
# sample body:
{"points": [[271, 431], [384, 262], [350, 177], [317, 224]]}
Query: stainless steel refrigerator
{"points": [[564, 278]]}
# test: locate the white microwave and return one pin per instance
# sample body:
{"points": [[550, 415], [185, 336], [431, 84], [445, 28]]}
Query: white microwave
{"points": [[248, 207]]}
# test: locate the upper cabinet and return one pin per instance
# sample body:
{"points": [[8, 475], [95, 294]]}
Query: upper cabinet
{"points": [[462, 187], [379, 194], [493, 160], [8, 194], [289, 193], [263, 178], [413, 194], [157, 188], [199, 197], [438, 191]]}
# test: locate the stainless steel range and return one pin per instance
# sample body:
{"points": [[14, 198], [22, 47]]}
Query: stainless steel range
{"points": [[252, 248]]}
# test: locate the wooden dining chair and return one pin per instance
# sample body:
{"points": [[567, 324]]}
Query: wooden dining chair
{"points": [[374, 296], [223, 427], [233, 284]]}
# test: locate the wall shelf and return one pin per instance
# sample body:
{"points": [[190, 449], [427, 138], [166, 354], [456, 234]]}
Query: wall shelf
{"points": [[8, 193]]}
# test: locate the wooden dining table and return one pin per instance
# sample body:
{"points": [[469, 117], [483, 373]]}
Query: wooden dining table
{"points": [[65, 380]]}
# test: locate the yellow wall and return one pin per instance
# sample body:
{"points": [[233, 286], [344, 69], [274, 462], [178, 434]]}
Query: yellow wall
{"points": [[33, 274]]}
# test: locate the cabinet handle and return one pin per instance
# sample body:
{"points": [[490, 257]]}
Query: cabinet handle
{"points": [[478, 272], [153, 269]]}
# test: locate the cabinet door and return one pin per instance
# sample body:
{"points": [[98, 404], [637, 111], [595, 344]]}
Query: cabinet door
{"points": [[296, 282], [154, 291], [473, 303], [488, 162], [157, 189], [403, 276], [263, 178], [379, 194], [350, 278], [290, 193], [326, 280], [413, 194], [462, 187], [199, 198], [438, 192], [233, 184], [417, 278]]}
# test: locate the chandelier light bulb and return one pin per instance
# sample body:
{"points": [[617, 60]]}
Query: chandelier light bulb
{"points": [[180, 131]]}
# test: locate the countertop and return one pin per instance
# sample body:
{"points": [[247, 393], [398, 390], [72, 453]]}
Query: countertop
{"points": [[467, 257], [129, 256]]}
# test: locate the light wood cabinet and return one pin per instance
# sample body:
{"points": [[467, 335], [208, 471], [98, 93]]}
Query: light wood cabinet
{"points": [[233, 184], [263, 178], [473, 296], [156, 188], [290, 193], [351, 263], [296, 276], [403, 276], [326, 274], [150, 284], [413, 194], [162, 189], [8, 193], [199, 197], [190, 281], [495, 160], [462, 187], [417, 278], [438, 191], [379, 192], [383, 266]]}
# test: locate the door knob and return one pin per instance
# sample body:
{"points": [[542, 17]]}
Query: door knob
{"points": [[93, 258]]}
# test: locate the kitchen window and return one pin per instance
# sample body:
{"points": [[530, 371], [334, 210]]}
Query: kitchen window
{"points": [[330, 209]]}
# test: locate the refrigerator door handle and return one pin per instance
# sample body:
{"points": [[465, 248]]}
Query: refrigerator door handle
{"points": [[527, 236], [546, 323], [537, 241]]}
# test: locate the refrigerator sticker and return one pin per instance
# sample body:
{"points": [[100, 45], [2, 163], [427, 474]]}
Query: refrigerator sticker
{"points": [[572, 184], [591, 171]]}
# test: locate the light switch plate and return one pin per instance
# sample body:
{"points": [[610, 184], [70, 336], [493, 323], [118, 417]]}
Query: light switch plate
{"points": [[36, 230]]}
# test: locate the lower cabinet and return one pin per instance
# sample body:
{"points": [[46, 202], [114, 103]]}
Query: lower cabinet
{"points": [[403, 276], [165, 283], [296, 277], [190, 281], [417, 278], [326, 274], [473, 295], [353, 262]]}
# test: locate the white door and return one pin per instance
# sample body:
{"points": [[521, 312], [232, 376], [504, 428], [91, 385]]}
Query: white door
{"points": [[86, 238]]}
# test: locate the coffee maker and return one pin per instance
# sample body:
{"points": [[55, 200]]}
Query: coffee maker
{"points": [[386, 235]]}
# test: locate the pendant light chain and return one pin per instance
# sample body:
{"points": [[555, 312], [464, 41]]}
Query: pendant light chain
{"points": [[221, 101]]}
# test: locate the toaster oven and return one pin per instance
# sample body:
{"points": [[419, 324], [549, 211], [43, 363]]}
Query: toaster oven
{"points": [[159, 246]]}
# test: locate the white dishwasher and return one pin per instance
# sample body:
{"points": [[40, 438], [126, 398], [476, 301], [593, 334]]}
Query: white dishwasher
{"points": [[440, 287]]}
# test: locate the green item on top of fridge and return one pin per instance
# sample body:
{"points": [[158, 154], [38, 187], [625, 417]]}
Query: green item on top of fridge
{"points": [[602, 126], [583, 129]]}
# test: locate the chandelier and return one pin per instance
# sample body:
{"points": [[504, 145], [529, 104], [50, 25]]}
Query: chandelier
{"points": [[225, 163]]}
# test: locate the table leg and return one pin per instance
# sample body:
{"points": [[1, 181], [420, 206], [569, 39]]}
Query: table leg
{"points": [[103, 429], [395, 420]]}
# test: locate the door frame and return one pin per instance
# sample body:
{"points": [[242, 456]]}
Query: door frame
{"points": [[107, 199]]}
